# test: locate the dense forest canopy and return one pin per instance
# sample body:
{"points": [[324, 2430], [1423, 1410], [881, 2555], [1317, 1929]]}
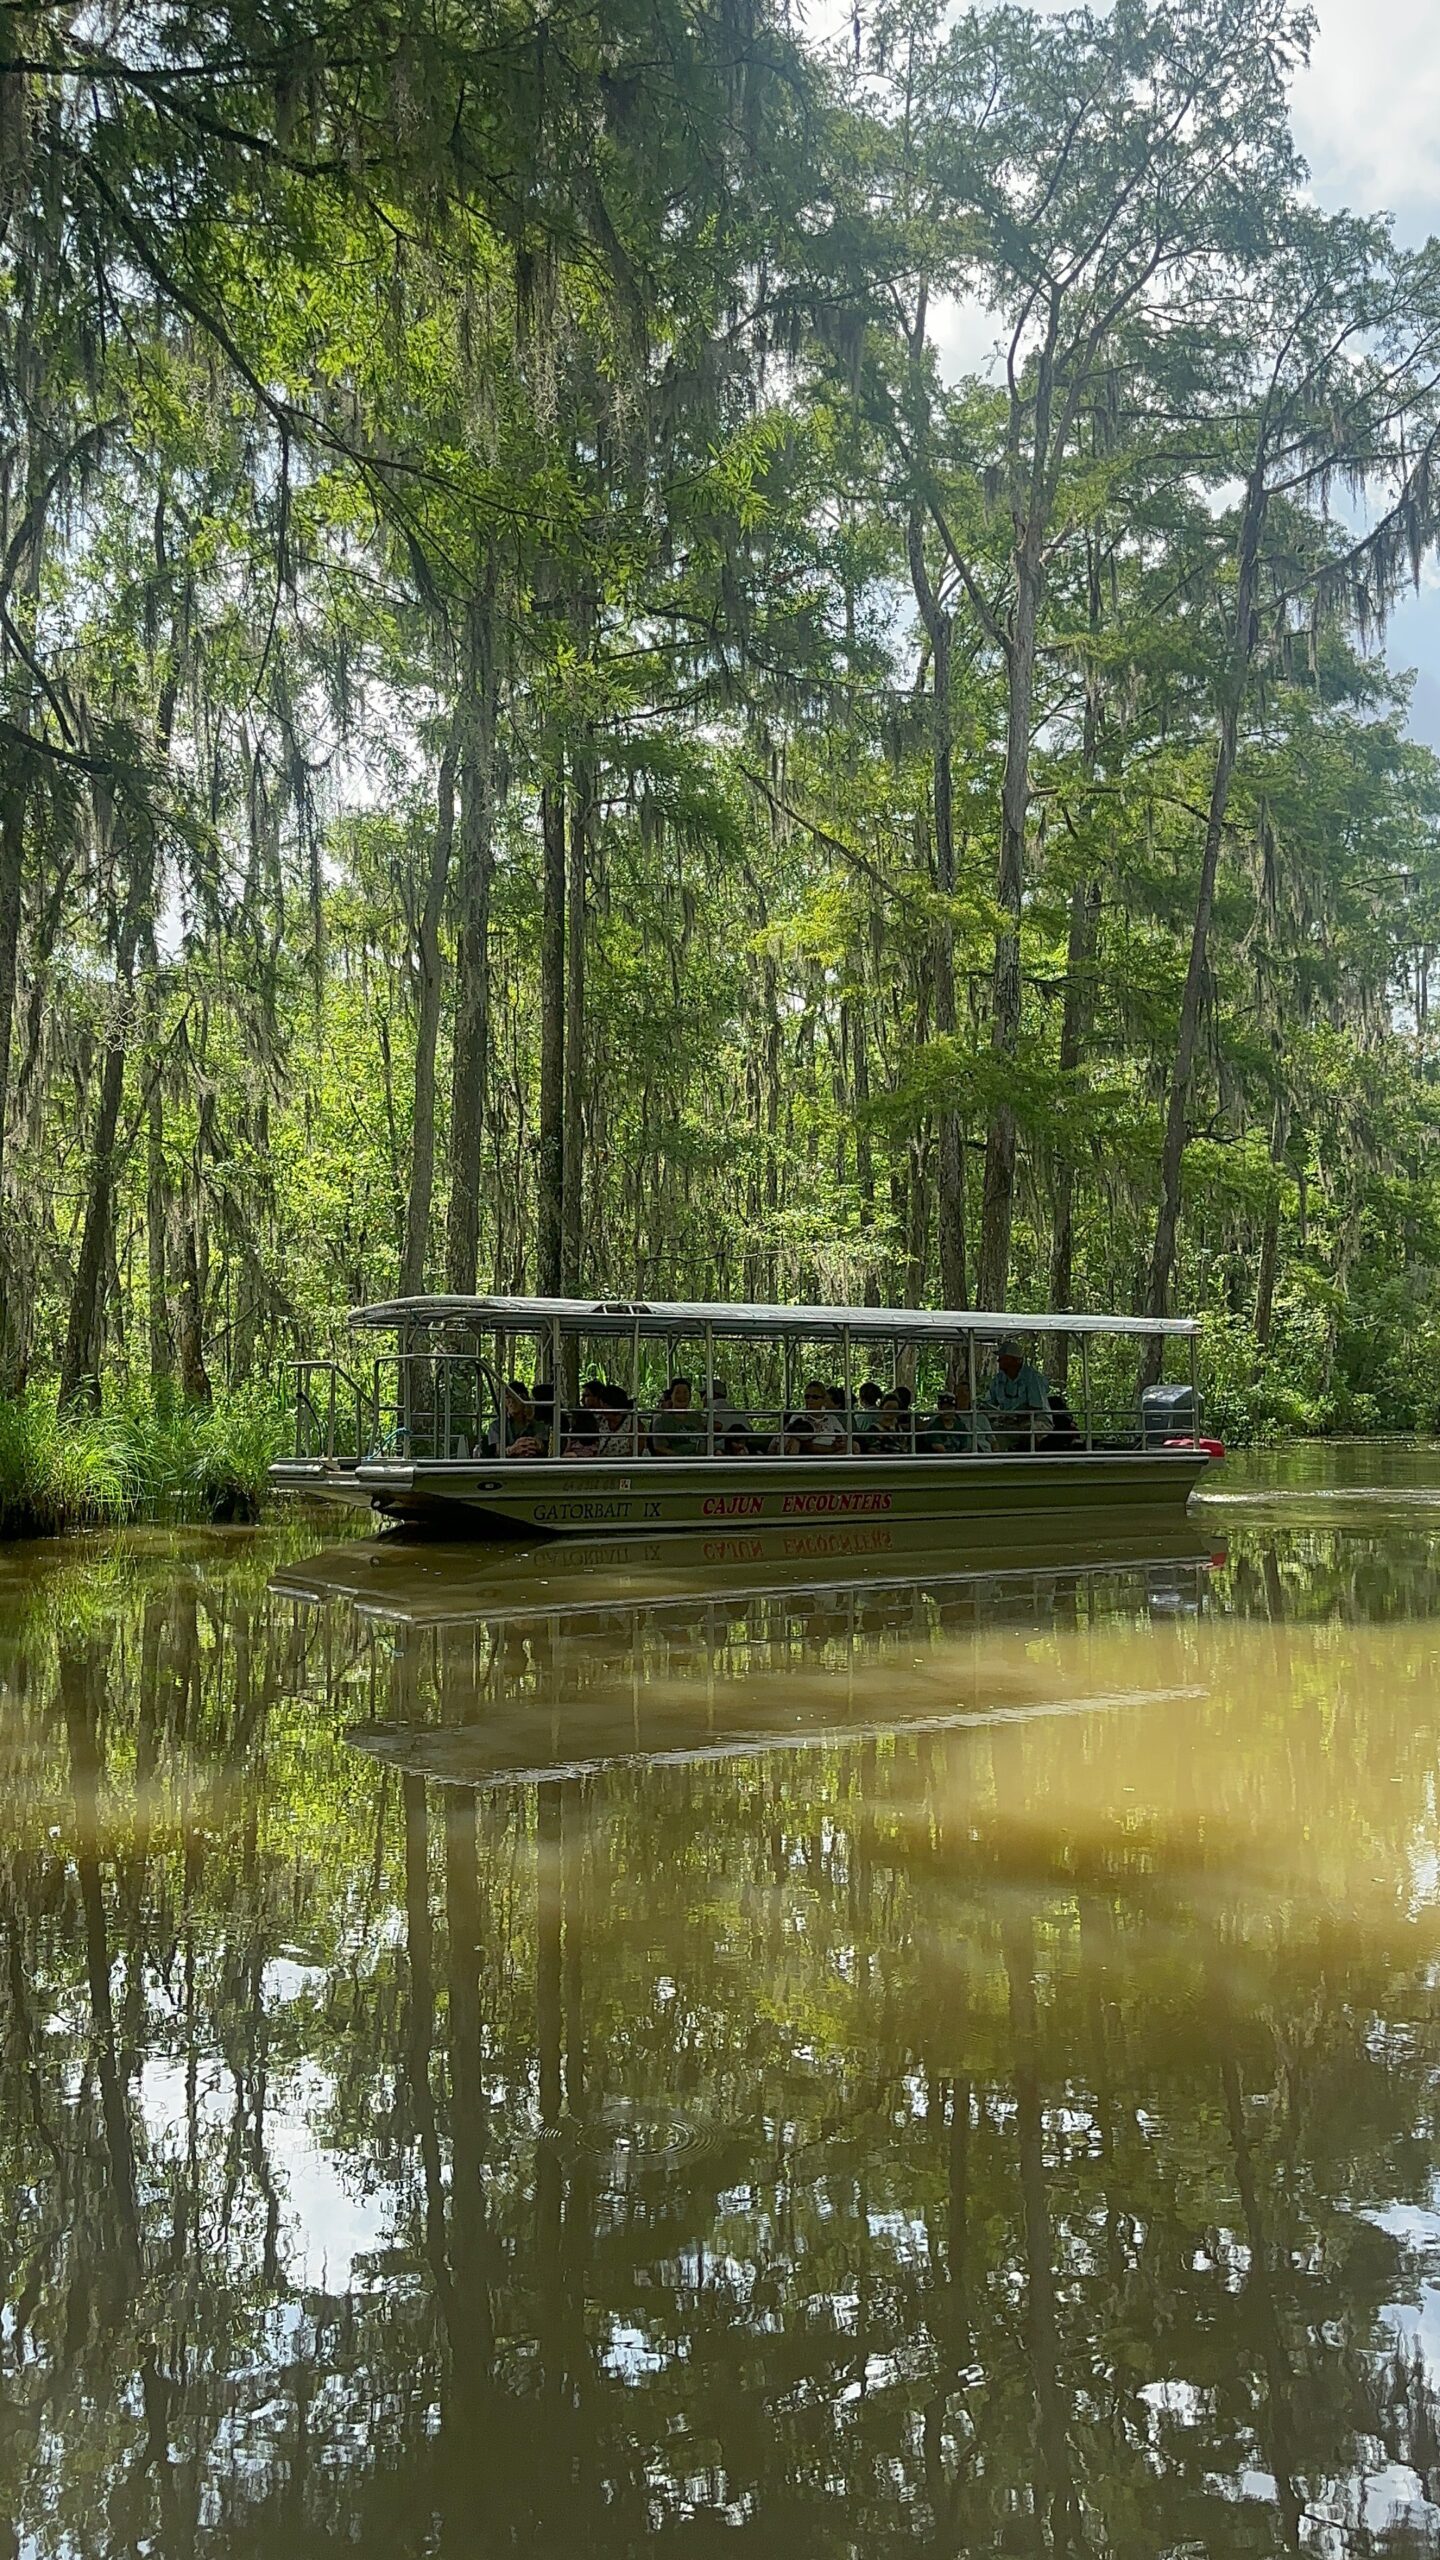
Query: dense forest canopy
{"points": [[549, 741]]}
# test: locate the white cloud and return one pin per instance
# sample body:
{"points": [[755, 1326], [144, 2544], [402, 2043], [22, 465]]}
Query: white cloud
{"points": [[967, 337], [1367, 111]]}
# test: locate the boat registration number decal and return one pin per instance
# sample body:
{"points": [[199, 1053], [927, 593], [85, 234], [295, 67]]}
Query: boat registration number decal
{"points": [[552, 1515], [830, 1503]]}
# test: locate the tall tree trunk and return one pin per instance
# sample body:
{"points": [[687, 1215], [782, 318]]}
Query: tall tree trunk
{"points": [[572, 1239], [14, 794], [992, 1279], [427, 1032], [157, 1211], [1270, 1233], [550, 1224], [950, 1150], [857, 1041], [194, 1376], [1075, 1017], [193, 1373], [80, 1366], [19, 762], [1172, 1160], [478, 710], [1074, 1021]]}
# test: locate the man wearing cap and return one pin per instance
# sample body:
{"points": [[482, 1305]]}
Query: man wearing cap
{"points": [[1017, 1400]]}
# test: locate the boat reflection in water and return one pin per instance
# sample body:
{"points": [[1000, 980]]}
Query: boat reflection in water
{"points": [[562, 1660]]}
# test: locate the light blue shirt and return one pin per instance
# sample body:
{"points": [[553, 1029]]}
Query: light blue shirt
{"points": [[1026, 1392]]}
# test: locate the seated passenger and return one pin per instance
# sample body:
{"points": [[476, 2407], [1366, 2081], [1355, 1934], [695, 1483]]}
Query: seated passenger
{"points": [[956, 1430], [676, 1430], [582, 1424], [617, 1419], [1064, 1429], [522, 1434], [891, 1437], [725, 1417], [867, 1403], [542, 1396], [797, 1439], [1017, 1400], [828, 1425]]}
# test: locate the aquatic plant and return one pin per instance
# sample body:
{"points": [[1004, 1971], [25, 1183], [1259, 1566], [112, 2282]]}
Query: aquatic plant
{"points": [[59, 1472], [234, 1445], [135, 1460]]}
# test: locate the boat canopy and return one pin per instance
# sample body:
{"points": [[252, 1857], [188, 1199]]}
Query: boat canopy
{"points": [[627, 1316]]}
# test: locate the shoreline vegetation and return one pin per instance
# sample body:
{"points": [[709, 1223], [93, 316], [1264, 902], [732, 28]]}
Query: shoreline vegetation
{"points": [[173, 1462], [561, 734]]}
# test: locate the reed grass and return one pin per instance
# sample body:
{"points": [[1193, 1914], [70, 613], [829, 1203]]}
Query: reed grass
{"points": [[135, 1460]]}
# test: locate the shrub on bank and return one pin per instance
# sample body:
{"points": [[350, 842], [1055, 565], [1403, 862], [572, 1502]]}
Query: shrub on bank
{"points": [[1330, 1366], [135, 1461]]}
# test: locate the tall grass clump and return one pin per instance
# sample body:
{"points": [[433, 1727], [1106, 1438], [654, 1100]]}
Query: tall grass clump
{"points": [[137, 1460], [60, 1472], [235, 1444]]}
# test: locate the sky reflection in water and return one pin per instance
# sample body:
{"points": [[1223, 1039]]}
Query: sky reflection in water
{"points": [[826, 2067]]}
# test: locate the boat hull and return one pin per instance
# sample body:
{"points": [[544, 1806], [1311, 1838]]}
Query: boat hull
{"points": [[811, 1496]]}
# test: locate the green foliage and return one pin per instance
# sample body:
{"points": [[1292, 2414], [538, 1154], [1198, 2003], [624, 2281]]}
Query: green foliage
{"points": [[60, 1471], [234, 1446], [139, 1460]]}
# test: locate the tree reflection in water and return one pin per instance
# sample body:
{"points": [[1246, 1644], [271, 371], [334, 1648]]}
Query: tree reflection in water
{"points": [[814, 2119]]}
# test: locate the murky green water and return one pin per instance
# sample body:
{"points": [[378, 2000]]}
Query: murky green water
{"points": [[821, 2055]]}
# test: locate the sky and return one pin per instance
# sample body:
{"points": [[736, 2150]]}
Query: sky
{"points": [[1367, 117]]}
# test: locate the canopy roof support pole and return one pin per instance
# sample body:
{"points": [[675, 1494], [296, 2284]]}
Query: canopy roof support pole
{"points": [[973, 1384], [555, 1359], [709, 1391], [848, 1355], [1195, 1386], [1085, 1389]]}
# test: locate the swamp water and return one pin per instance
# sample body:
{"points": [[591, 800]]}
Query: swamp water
{"points": [[826, 2060]]}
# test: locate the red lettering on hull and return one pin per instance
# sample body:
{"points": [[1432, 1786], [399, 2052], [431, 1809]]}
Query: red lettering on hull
{"points": [[732, 1506], [830, 1503], [839, 1542]]}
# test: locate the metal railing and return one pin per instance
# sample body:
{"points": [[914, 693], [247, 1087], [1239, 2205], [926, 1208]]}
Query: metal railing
{"points": [[328, 1397], [449, 1406]]}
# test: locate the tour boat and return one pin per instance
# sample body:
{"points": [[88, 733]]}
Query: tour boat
{"points": [[424, 1432]]}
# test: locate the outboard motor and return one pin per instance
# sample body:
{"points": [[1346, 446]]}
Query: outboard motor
{"points": [[1166, 1414]]}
